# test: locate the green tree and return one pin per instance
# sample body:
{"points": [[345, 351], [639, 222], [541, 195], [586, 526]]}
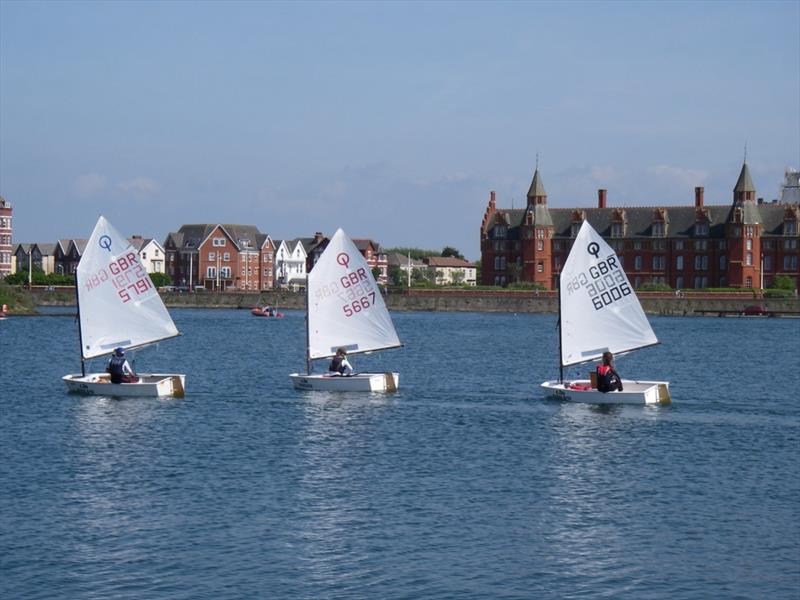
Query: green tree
{"points": [[450, 251], [397, 276], [160, 279], [783, 282]]}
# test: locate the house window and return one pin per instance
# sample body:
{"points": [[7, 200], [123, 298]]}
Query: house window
{"points": [[748, 244], [144, 255], [748, 230], [212, 256], [658, 229], [658, 263], [556, 245], [557, 263], [700, 282], [790, 228], [637, 264], [540, 245], [540, 267], [768, 263], [723, 245], [616, 230], [211, 272], [701, 245], [701, 228], [574, 230], [723, 263], [499, 232], [790, 263], [659, 245], [225, 272], [226, 256], [637, 282], [678, 244], [220, 242], [748, 259], [621, 259], [790, 244], [637, 245], [679, 282], [749, 282], [540, 234], [679, 263], [701, 263]]}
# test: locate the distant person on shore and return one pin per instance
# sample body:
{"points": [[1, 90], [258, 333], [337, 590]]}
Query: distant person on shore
{"points": [[608, 380], [120, 369], [339, 365]]}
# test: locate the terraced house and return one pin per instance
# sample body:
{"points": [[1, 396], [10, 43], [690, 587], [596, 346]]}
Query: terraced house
{"points": [[743, 244], [220, 257]]}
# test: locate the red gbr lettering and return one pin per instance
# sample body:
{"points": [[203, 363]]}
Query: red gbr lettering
{"points": [[353, 278], [123, 263], [94, 281]]}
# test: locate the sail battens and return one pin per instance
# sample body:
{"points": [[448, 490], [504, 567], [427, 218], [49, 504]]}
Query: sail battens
{"points": [[599, 308], [116, 297], [345, 306]]}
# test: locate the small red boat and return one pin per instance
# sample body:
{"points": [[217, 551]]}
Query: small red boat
{"points": [[266, 312]]}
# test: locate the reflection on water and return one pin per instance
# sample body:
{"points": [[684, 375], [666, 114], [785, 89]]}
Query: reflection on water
{"points": [[465, 483]]}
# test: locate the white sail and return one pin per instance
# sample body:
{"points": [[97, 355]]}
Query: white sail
{"points": [[599, 309], [345, 307], [117, 301]]}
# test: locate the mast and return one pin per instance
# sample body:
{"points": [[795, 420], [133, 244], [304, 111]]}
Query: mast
{"points": [[308, 332], [560, 354], [80, 334]]}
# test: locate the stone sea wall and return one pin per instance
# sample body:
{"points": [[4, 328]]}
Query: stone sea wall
{"points": [[688, 304]]}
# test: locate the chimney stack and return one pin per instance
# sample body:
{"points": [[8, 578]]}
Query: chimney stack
{"points": [[491, 199], [698, 197], [601, 198]]}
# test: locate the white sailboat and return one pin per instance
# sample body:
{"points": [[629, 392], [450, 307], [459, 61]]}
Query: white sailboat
{"points": [[118, 307], [345, 309], [599, 312]]}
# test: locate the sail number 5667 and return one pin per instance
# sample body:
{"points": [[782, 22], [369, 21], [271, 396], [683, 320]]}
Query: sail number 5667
{"points": [[359, 304]]}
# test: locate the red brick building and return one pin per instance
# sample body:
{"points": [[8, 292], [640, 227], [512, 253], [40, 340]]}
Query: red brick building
{"points": [[220, 257], [744, 244], [6, 236]]}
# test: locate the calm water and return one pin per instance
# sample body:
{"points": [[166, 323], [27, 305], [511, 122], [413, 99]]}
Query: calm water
{"points": [[464, 484]]}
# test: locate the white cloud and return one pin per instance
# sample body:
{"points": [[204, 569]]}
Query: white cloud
{"points": [[89, 184], [139, 185], [685, 177]]}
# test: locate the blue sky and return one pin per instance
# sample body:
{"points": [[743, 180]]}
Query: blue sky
{"points": [[391, 120]]}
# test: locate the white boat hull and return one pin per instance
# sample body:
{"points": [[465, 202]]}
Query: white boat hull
{"points": [[361, 382], [634, 392], [149, 385]]}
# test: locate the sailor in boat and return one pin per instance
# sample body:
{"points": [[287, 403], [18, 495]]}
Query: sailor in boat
{"points": [[120, 369], [339, 365], [608, 380]]}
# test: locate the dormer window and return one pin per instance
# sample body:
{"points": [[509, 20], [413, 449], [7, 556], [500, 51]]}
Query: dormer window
{"points": [[617, 230], [658, 229], [790, 227], [701, 228], [575, 228], [500, 232]]}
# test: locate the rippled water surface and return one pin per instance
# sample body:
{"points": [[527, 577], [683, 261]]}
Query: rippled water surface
{"points": [[464, 484]]}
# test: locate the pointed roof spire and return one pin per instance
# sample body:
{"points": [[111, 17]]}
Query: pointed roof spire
{"points": [[744, 184], [537, 187]]}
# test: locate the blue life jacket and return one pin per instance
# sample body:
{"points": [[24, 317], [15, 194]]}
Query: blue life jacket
{"points": [[115, 368], [336, 365]]}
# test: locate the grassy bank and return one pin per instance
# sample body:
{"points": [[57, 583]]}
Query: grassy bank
{"points": [[19, 301]]}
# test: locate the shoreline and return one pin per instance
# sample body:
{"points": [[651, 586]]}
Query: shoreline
{"points": [[489, 301]]}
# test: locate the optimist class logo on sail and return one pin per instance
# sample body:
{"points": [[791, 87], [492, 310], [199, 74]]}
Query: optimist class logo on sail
{"points": [[353, 289], [604, 282]]}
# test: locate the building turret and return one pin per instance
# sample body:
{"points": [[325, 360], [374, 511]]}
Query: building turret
{"points": [[743, 234]]}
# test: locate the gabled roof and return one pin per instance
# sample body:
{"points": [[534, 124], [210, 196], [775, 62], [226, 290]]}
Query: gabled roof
{"points": [[46, 248], [447, 261], [362, 244], [396, 259]]}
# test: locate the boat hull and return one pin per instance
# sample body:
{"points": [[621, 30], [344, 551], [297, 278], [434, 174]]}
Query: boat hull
{"points": [[634, 392], [152, 385], [361, 382], [257, 312]]}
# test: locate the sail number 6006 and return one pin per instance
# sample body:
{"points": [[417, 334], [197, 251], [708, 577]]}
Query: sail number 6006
{"points": [[359, 304]]}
